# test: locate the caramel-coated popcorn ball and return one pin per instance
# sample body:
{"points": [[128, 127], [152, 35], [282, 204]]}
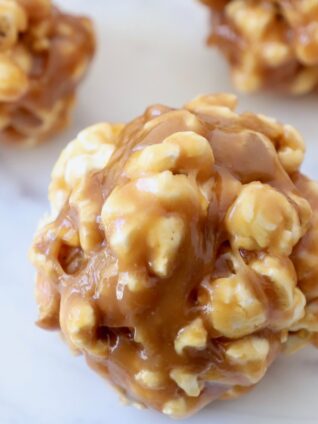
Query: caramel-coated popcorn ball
{"points": [[268, 43], [180, 252], [44, 54]]}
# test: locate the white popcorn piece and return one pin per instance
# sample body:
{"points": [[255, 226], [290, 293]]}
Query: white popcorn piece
{"points": [[133, 280], [305, 81], [89, 234], [262, 217], [164, 240], [175, 408], [79, 324], [152, 159], [296, 341], [13, 21], [235, 310], [291, 149], [89, 152], [81, 320], [282, 276], [193, 335], [309, 321], [248, 349], [187, 381], [173, 190], [250, 355], [252, 21], [13, 80], [275, 53], [196, 154], [204, 102], [150, 379]]}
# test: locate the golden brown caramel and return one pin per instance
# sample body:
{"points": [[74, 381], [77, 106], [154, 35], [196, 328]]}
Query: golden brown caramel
{"points": [[179, 255], [268, 43], [44, 54]]}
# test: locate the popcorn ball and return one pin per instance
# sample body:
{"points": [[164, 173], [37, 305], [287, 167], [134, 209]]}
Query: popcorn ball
{"points": [[44, 54], [179, 256], [268, 43]]}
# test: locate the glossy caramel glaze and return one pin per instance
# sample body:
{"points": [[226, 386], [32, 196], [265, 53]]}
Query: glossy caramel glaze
{"points": [[44, 54], [178, 253], [269, 43]]}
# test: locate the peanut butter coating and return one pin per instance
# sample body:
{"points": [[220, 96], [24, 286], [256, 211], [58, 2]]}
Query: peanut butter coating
{"points": [[178, 256], [44, 54], [268, 43]]}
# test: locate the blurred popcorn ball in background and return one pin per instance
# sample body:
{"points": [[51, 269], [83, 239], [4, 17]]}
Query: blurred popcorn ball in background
{"points": [[268, 43], [44, 54]]}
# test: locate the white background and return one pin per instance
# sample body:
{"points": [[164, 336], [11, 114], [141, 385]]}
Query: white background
{"points": [[150, 51]]}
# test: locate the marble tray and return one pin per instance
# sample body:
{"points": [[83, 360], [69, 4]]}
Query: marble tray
{"points": [[150, 51]]}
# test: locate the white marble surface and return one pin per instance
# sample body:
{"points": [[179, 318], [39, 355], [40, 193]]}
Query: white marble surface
{"points": [[150, 51]]}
